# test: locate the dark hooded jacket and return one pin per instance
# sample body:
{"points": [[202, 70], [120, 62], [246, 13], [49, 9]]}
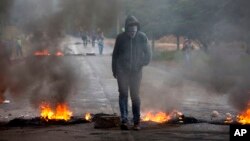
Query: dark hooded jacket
{"points": [[130, 54]]}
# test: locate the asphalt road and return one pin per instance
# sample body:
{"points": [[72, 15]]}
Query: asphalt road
{"points": [[162, 89]]}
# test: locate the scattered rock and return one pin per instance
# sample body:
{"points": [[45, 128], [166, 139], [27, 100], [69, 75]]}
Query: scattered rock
{"points": [[106, 121], [215, 114]]}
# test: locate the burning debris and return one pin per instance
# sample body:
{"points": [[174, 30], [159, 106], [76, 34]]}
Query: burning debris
{"points": [[100, 120], [60, 116], [88, 116], [174, 117], [61, 112], [47, 53], [59, 53], [42, 53], [159, 117], [38, 121], [244, 117], [241, 119]]}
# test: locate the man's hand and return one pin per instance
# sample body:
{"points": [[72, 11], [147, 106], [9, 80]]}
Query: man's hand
{"points": [[114, 75]]}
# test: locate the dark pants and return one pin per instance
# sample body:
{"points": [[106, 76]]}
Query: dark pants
{"points": [[93, 43], [129, 82], [85, 41]]}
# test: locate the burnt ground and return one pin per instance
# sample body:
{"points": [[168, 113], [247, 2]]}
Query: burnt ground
{"points": [[97, 93]]}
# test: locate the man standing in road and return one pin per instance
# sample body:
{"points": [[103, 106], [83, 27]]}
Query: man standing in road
{"points": [[131, 53]]}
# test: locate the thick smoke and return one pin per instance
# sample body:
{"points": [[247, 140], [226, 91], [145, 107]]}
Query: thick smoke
{"points": [[4, 70], [49, 78], [224, 71], [160, 90], [221, 72]]}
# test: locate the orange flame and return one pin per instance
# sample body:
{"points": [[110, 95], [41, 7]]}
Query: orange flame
{"points": [[59, 53], [159, 117], [88, 117], [42, 53], [244, 117], [62, 112]]}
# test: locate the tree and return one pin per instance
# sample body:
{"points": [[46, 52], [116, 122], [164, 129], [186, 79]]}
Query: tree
{"points": [[4, 13], [201, 20]]}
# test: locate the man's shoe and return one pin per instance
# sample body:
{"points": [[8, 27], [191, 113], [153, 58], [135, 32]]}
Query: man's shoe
{"points": [[137, 127], [124, 126]]}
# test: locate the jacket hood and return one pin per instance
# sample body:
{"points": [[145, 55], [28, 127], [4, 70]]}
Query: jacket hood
{"points": [[131, 20]]}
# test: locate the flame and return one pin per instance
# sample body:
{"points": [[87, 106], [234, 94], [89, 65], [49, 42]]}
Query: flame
{"points": [[61, 112], [59, 53], [42, 53], [159, 117], [46, 53], [88, 117], [244, 117]]}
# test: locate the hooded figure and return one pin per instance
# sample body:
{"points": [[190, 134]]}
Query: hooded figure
{"points": [[131, 53]]}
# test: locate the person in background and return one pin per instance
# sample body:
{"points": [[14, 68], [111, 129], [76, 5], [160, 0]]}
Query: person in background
{"points": [[19, 51], [187, 49], [84, 36], [101, 42], [93, 37]]}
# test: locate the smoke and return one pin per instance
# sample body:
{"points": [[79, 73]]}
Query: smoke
{"points": [[65, 16], [50, 78], [225, 69], [4, 70], [222, 71], [162, 88], [225, 72]]}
